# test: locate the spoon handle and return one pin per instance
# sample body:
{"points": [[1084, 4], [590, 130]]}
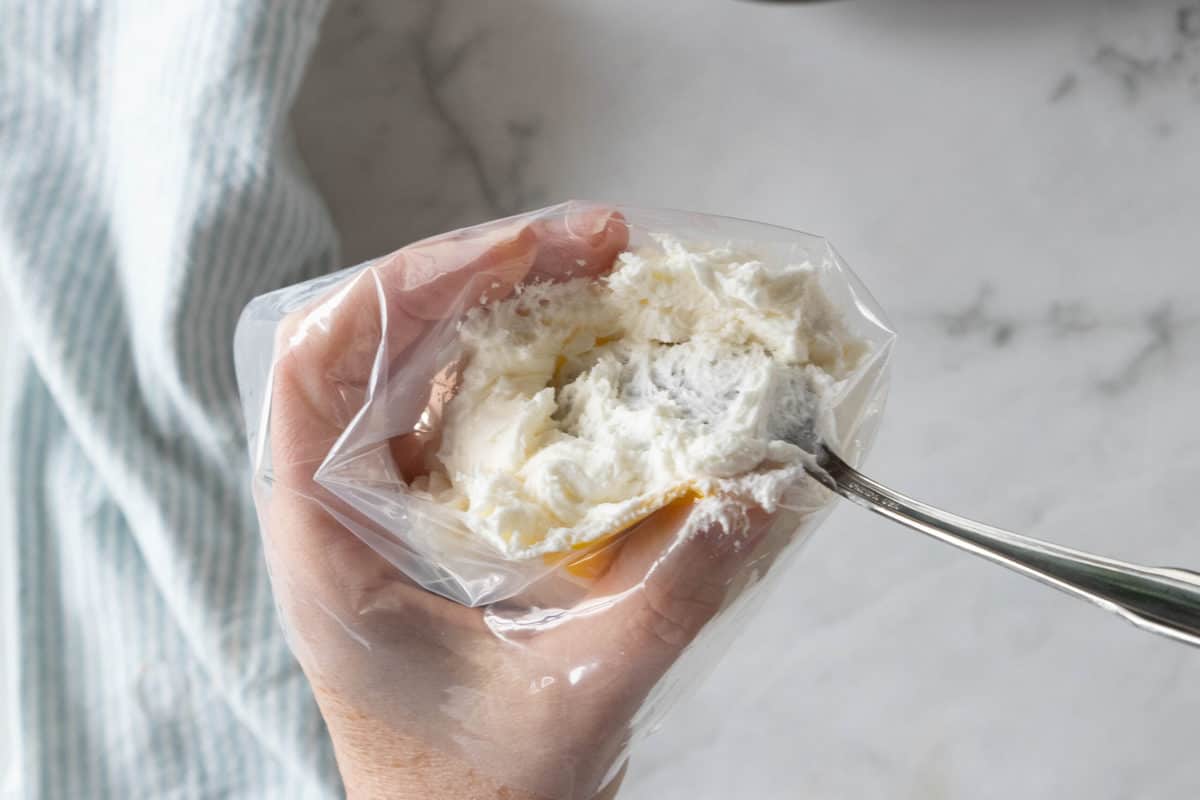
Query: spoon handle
{"points": [[1161, 600]]}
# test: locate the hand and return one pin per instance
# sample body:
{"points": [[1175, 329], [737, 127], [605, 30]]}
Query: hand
{"points": [[423, 697]]}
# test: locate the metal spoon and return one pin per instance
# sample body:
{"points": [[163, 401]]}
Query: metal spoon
{"points": [[1162, 600]]}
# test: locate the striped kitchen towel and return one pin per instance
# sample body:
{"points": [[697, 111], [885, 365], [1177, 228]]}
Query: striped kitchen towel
{"points": [[148, 190]]}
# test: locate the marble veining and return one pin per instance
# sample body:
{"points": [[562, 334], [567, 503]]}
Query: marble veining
{"points": [[1161, 327], [383, 108], [1161, 55], [1158, 327], [1176, 61], [504, 189]]}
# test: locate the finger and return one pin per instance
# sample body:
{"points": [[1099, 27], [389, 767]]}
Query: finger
{"points": [[410, 452], [337, 342], [582, 243], [333, 585], [671, 576], [436, 277], [338, 593]]}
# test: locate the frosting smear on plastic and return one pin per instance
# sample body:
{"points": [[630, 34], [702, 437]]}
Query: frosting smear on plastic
{"points": [[584, 406]]}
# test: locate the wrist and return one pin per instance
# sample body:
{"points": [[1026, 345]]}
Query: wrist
{"points": [[379, 762], [429, 778]]}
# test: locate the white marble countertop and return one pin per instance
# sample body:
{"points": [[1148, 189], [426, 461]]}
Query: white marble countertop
{"points": [[1019, 184]]}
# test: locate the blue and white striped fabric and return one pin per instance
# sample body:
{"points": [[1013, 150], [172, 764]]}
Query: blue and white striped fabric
{"points": [[148, 189]]}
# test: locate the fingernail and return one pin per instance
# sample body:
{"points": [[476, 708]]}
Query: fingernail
{"points": [[588, 222]]}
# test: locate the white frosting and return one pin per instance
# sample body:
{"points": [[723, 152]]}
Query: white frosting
{"points": [[585, 405]]}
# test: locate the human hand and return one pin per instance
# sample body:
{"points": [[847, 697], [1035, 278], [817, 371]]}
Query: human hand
{"points": [[424, 697]]}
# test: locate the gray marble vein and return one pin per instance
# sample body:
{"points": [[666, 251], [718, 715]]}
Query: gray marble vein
{"points": [[384, 126], [1066, 85], [1157, 331], [1161, 328], [1160, 56], [436, 67]]}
